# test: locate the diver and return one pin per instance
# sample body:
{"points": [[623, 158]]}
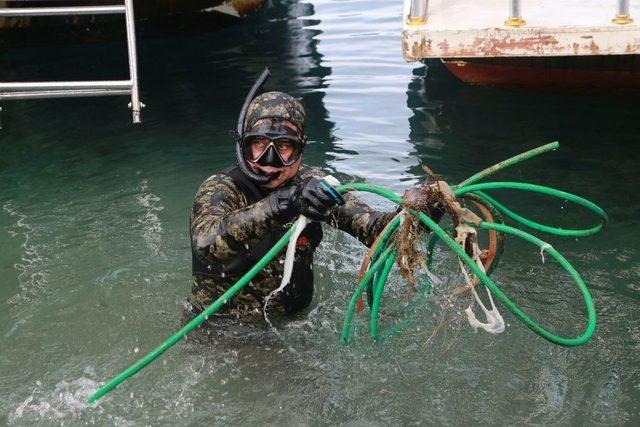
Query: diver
{"points": [[240, 213]]}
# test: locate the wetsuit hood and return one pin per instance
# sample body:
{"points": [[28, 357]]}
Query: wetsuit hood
{"points": [[271, 105]]}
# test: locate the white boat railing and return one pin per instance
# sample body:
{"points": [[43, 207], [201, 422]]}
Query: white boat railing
{"points": [[514, 19], [622, 14], [416, 13], [63, 89]]}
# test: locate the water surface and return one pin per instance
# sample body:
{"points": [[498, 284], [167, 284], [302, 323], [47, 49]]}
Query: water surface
{"points": [[94, 250]]}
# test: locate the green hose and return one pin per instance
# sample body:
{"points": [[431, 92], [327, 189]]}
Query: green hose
{"points": [[476, 189], [346, 326], [195, 322], [370, 189], [535, 327], [385, 242], [509, 162], [378, 293], [385, 256], [584, 337]]}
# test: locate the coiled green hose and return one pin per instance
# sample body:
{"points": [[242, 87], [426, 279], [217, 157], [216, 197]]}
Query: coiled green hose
{"points": [[385, 257]]}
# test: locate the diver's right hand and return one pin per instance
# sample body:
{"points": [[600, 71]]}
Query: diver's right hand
{"points": [[282, 203]]}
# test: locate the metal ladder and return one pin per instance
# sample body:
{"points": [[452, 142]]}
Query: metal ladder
{"points": [[65, 89]]}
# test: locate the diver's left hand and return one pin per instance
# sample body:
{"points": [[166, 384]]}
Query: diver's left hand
{"points": [[313, 200]]}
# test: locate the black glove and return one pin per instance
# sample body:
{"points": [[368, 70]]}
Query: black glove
{"points": [[312, 198], [315, 198], [281, 204]]}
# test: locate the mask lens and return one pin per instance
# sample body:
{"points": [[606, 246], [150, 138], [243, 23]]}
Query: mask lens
{"points": [[288, 149], [253, 147]]}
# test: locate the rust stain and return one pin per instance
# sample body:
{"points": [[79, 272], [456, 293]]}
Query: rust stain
{"points": [[527, 42], [632, 48], [416, 49], [466, 50], [501, 45], [423, 50], [428, 48], [444, 47], [538, 44]]}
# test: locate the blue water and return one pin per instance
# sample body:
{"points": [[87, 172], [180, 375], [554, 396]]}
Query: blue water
{"points": [[94, 249]]}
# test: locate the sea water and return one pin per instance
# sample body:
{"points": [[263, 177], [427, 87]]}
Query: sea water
{"points": [[95, 254]]}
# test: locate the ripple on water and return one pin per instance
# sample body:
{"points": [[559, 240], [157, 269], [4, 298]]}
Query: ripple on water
{"points": [[65, 401], [32, 268], [150, 221], [119, 198]]}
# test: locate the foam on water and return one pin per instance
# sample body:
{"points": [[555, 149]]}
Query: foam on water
{"points": [[152, 226], [32, 273], [65, 401]]}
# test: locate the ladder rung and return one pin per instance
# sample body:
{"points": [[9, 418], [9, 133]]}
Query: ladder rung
{"points": [[62, 89], [57, 11], [99, 84], [36, 94]]}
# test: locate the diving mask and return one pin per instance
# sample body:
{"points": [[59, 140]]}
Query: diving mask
{"points": [[275, 145]]}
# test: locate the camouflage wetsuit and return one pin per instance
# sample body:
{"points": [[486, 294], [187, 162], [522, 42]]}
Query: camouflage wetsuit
{"points": [[231, 230]]}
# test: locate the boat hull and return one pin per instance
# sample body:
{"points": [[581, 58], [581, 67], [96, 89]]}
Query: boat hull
{"points": [[614, 73]]}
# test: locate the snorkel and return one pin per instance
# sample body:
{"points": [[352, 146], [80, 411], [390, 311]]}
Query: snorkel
{"points": [[259, 179]]}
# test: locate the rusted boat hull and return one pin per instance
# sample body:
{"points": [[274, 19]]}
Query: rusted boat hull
{"points": [[153, 17], [573, 45], [615, 73]]}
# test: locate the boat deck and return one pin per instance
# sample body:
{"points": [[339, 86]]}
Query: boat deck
{"points": [[470, 29]]}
